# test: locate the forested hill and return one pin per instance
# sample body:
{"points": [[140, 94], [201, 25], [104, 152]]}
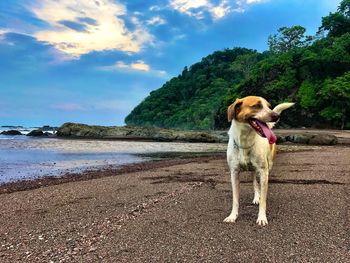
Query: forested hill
{"points": [[313, 71], [192, 99]]}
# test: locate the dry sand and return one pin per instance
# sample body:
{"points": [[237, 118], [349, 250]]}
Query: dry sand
{"points": [[172, 211]]}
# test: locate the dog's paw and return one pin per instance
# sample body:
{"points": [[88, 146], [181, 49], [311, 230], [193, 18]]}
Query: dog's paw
{"points": [[230, 219], [262, 221], [256, 200]]}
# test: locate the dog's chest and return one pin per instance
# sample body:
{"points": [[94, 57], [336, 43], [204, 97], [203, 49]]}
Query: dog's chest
{"points": [[245, 160]]}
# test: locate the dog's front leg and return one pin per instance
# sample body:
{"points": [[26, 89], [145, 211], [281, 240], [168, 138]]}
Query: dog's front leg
{"points": [[256, 199], [264, 177], [235, 195]]}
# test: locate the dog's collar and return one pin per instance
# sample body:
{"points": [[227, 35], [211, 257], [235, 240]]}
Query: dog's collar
{"points": [[240, 147]]}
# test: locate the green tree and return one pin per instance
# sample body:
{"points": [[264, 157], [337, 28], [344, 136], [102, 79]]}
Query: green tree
{"points": [[288, 38], [338, 23], [307, 94], [336, 98], [243, 64]]}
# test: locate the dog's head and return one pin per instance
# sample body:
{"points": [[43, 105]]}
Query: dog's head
{"points": [[255, 112]]}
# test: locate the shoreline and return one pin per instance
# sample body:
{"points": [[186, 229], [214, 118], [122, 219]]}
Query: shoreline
{"points": [[33, 158], [30, 184], [157, 160]]}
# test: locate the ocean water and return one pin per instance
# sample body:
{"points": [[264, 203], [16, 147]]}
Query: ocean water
{"points": [[23, 157]]}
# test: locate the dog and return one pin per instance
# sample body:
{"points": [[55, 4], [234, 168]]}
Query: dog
{"points": [[252, 144]]}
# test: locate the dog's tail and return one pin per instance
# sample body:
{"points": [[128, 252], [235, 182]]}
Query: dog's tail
{"points": [[278, 109]]}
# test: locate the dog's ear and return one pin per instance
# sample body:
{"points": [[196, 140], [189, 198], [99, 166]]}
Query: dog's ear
{"points": [[234, 109]]}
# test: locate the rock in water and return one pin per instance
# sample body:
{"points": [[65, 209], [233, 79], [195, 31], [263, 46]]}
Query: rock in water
{"points": [[11, 132], [36, 133]]}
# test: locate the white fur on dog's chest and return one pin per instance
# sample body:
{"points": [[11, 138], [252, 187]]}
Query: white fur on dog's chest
{"points": [[244, 159], [248, 160], [251, 157]]}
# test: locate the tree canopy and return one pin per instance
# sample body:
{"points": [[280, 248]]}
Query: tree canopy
{"points": [[288, 38], [338, 23]]}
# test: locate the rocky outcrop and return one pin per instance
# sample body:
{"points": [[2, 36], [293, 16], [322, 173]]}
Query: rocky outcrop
{"points": [[75, 130], [323, 139], [40, 133], [11, 132], [36, 133], [311, 139]]}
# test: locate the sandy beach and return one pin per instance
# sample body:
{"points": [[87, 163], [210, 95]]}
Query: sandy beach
{"points": [[172, 211]]}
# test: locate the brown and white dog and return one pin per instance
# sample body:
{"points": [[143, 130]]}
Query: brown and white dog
{"points": [[252, 143]]}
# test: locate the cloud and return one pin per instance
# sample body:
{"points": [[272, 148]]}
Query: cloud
{"points": [[80, 27], [253, 1], [140, 65], [137, 66], [155, 8], [68, 107], [190, 7], [107, 105], [249, 2], [34, 55], [221, 10], [114, 105], [157, 20], [2, 33], [216, 9]]}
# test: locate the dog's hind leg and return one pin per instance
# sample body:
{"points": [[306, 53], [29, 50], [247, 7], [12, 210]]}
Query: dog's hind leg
{"points": [[256, 199], [235, 196]]}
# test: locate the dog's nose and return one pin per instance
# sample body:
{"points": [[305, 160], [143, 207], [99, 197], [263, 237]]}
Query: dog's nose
{"points": [[275, 116]]}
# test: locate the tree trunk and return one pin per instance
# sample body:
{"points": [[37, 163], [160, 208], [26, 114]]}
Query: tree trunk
{"points": [[342, 122]]}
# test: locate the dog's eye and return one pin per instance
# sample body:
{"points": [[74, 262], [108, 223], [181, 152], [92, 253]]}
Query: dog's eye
{"points": [[257, 106]]}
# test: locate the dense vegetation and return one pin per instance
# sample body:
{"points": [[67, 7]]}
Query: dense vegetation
{"points": [[313, 71]]}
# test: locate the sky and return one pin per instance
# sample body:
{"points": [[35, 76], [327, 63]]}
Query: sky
{"points": [[93, 61]]}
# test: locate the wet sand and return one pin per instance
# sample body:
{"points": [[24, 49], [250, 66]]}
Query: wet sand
{"points": [[172, 211]]}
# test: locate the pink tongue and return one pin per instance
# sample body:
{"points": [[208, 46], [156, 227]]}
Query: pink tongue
{"points": [[267, 132]]}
